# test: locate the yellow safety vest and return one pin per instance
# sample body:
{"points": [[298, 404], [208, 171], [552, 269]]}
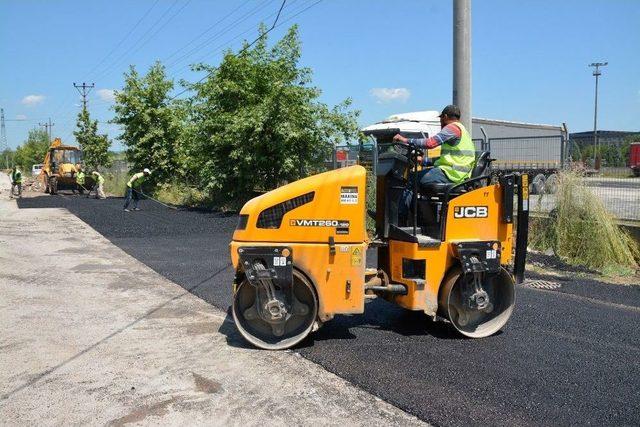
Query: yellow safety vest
{"points": [[456, 161]]}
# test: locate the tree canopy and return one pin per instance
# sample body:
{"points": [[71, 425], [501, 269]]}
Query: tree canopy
{"points": [[150, 122], [33, 150], [95, 147], [256, 121]]}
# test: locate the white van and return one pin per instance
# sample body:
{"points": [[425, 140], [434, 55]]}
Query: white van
{"points": [[36, 169]]}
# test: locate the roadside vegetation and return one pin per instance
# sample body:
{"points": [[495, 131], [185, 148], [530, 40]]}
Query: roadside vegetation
{"points": [[581, 231], [251, 124]]}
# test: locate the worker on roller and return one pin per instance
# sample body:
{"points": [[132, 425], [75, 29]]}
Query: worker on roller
{"points": [[16, 181], [457, 155], [80, 179], [133, 189], [99, 185]]}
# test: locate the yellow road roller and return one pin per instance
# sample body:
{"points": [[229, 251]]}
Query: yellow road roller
{"points": [[300, 251]]}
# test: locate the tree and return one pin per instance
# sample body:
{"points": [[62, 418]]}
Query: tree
{"points": [[151, 122], [33, 150], [256, 121], [95, 148]]}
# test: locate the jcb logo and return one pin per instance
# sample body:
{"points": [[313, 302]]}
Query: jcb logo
{"points": [[470, 212]]}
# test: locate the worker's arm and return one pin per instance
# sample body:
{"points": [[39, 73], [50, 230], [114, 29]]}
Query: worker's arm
{"points": [[450, 134]]}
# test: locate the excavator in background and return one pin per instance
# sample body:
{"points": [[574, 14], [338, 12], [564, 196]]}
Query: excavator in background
{"points": [[300, 251], [60, 166]]}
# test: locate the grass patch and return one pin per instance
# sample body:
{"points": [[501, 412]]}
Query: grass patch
{"points": [[180, 195], [115, 183], [581, 231]]}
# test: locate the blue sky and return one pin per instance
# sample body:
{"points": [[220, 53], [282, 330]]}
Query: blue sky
{"points": [[529, 57]]}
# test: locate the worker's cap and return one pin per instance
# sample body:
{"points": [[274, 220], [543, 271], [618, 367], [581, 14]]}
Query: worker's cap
{"points": [[147, 171], [451, 111], [95, 172]]}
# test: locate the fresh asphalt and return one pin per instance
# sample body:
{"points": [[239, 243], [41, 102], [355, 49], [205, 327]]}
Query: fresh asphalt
{"points": [[567, 357]]}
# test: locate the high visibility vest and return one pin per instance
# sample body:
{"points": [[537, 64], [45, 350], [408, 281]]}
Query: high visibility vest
{"points": [[80, 178], [99, 179], [456, 161], [136, 180], [16, 177]]}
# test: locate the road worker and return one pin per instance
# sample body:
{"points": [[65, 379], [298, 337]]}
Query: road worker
{"points": [[80, 180], [133, 189], [456, 160], [16, 181], [98, 186]]}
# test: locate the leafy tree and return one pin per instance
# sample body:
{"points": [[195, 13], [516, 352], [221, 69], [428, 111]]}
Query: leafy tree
{"points": [[151, 122], [6, 158], [33, 150], [95, 147], [256, 121]]}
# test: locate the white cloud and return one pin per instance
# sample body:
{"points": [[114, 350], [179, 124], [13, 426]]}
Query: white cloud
{"points": [[21, 117], [107, 95], [389, 94], [31, 100]]}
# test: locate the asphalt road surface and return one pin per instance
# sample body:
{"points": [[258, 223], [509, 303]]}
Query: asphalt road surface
{"points": [[567, 357]]}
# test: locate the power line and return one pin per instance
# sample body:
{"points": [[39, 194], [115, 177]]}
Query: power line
{"points": [[253, 42], [204, 32], [224, 45], [47, 127], [219, 33], [122, 40], [146, 37]]}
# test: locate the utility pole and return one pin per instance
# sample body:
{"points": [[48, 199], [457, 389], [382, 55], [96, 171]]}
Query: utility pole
{"points": [[47, 127], [84, 90], [3, 139], [462, 60], [596, 147]]}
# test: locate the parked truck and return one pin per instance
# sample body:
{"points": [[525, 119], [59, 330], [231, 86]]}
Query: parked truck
{"points": [[539, 150], [634, 158]]}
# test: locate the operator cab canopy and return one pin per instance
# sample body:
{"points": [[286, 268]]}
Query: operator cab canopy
{"points": [[418, 124]]}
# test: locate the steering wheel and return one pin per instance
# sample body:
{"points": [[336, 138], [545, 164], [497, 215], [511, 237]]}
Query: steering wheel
{"points": [[411, 151]]}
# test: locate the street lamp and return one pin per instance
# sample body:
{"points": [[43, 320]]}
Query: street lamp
{"points": [[596, 149]]}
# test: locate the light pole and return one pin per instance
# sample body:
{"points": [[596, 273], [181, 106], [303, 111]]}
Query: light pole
{"points": [[596, 148], [462, 59]]}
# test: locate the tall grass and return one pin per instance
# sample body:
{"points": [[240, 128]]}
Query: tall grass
{"points": [[582, 232], [115, 183], [180, 195]]}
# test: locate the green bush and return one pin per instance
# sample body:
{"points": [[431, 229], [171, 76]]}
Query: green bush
{"points": [[115, 183], [180, 195], [582, 232]]}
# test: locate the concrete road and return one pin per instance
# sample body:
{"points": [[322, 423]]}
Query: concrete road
{"points": [[90, 336], [567, 357]]}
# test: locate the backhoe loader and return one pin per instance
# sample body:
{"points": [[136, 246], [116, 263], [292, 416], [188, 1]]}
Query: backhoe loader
{"points": [[60, 167], [299, 251]]}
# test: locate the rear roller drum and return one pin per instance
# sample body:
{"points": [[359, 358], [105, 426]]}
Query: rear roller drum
{"points": [[275, 325], [473, 313]]}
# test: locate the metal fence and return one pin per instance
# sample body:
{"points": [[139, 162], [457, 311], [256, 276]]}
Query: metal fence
{"points": [[543, 158]]}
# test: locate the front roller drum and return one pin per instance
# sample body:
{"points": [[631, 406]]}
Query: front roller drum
{"points": [[254, 325], [457, 303]]}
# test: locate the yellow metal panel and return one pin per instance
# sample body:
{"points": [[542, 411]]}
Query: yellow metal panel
{"points": [[331, 202], [329, 273], [438, 260]]}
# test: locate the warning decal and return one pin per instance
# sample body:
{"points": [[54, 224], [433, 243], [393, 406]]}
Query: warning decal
{"points": [[356, 257], [348, 195]]}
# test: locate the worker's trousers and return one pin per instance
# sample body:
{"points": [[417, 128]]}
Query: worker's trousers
{"points": [[100, 192], [131, 194], [14, 185]]}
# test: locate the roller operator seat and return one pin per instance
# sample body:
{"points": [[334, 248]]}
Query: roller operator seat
{"points": [[439, 189]]}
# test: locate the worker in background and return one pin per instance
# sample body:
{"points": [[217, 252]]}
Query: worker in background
{"points": [[98, 186], [16, 181], [80, 179], [457, 155], [133, 189]]}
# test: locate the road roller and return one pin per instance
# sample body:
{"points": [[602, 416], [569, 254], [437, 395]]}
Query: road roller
{"points": [[300, 251]]}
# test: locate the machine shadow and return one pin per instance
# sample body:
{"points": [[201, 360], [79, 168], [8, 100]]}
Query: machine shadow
{"points": [[379, 315]]}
